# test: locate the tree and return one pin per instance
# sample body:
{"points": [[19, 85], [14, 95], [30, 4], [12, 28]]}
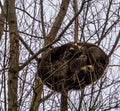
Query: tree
{"points": [[30, 28]]}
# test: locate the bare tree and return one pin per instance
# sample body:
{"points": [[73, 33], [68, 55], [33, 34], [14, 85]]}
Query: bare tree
{"points": [[28, 29]]}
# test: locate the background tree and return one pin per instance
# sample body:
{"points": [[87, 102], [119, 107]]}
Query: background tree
{"points": [[29, 28]]}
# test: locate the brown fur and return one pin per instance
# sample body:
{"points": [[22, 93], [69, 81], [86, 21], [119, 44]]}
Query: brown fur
{"points": [[72, 66]]}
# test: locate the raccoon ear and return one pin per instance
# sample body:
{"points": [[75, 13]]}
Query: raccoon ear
{"points": [[72, 50]]}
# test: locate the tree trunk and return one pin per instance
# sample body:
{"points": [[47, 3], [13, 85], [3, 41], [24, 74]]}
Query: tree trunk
{"points": [[36, 95], [14, 56], [64, 101]]}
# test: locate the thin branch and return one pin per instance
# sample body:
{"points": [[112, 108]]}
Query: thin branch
{"points": [[27, 47], [3, 9], [28, 14], [107, 31], [75, 7], [81, 100], [115, 44], [46, 97], [84, 20], [42, 19], [2, 20], [4, 66], [106, 21]]}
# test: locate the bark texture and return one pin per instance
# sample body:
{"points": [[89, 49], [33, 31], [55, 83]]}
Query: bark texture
{"points": [[14, 56]]}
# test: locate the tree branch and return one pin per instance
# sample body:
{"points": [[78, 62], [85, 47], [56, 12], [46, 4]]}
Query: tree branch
{"points": [[75, 7], [58, 21], [2, 20], [42, 19], [115, 44], [28, 48]]}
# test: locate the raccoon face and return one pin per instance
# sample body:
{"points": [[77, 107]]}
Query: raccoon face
{"points": [[74, 51]]}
